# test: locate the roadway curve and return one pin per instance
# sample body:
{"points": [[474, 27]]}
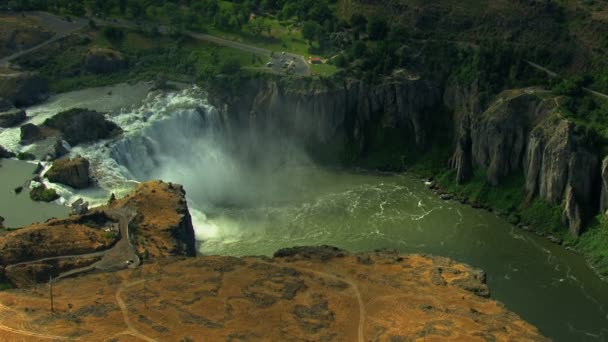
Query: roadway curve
{"points": [[122, 254], [64, 28], [61, 27]]}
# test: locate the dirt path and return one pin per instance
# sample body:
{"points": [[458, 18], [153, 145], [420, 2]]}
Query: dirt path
{"points": [[554, 74], [125, 311], [354, 288], [61, 27]]}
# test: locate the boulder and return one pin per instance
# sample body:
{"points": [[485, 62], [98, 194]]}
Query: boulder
{"points": [[23, 88], [82, 126], [102, 61], [5, 154], [70, 172], [12, 118], [30, 133], [5, 105]]}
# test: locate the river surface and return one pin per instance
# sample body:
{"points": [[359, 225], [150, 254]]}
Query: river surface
{"points": [[236, 211], [548, 286]]}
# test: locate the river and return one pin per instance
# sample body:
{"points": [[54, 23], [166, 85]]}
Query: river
{"points": [[290, 201]]}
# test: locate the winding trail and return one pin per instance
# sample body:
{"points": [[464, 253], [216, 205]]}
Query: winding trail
{"points": [[125, 311], [354, 288], [554, 74], [64, 28]]}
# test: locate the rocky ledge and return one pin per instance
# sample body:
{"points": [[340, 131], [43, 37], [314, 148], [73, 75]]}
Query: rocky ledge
{"points": [[161, 227], [313, 294], [76, 126]]}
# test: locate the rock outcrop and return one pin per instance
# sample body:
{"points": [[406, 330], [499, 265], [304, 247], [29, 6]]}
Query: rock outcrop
{"points": [[55, 238], [4, 153], [82, 126], [22, 88], [102, 61], [163, 225], [70, 172], [317, 294], [12, 117]]}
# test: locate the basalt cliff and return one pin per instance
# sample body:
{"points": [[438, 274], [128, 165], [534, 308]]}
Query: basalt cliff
{"points": [[517, 132]]}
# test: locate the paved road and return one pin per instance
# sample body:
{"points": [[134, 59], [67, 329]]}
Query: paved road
{"points": [[301, 66], [64, 28], [554, 74], [61, 27], [122, 255]]}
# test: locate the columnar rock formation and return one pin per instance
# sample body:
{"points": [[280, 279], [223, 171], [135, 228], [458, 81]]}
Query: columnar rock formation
{"points": [[519, 131]]}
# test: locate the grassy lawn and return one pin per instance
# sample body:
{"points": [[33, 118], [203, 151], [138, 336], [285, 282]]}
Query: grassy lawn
{"points": [[282, 37], [323, 69]]}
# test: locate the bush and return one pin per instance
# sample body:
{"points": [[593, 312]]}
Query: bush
{"points": [[113, 34], [25, 156], [230, 66], [42, 194]]}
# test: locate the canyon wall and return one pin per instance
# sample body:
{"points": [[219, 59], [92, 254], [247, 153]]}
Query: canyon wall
{"points": [[519, 131]]}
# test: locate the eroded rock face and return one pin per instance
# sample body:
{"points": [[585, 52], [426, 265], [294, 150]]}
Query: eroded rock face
{"points": [[12, 117], [70, 172], [82, 126], [517, 132], [320, 115], [326, 297], [604, 196], [52, 239], [22, 88], [101, 61], [163, 223]]}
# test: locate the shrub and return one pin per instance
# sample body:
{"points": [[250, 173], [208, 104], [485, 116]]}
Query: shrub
{"points": [[113, 34], [42, 194], [25, 156]]}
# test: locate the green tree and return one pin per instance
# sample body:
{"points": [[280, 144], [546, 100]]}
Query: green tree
{"points": [[311, 31], [230, 66], [377, 28], [358, 21]]}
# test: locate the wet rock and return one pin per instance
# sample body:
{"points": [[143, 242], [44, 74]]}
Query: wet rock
{"points": [[31, 133], [12, 118], [70, 172], [82, 126], [102, 61], [446, 197], [6, 154]]}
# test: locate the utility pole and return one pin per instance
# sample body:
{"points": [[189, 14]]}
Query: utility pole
{"points": [[51, 287]]}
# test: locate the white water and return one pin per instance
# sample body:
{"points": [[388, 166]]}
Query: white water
{"points": [[173, 137]]}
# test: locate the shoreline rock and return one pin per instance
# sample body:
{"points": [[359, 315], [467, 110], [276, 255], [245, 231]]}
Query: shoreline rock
{"points": [[71, 172]]}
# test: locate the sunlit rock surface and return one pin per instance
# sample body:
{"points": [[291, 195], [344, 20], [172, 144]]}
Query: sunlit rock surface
{"points": [[320, 294]]}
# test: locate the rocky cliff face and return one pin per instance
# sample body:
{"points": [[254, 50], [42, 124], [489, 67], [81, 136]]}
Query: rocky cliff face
{"points": [[163, 226], [517, 132], [318, 114]]}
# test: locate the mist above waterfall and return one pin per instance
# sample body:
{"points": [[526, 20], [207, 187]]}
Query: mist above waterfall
{"points": [[181, 138]]}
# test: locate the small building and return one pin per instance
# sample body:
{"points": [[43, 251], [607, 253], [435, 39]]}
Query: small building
{"points": [[316, 60]]}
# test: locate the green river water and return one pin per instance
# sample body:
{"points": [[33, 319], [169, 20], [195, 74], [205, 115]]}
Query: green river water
{"points": [[545, 284]]}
